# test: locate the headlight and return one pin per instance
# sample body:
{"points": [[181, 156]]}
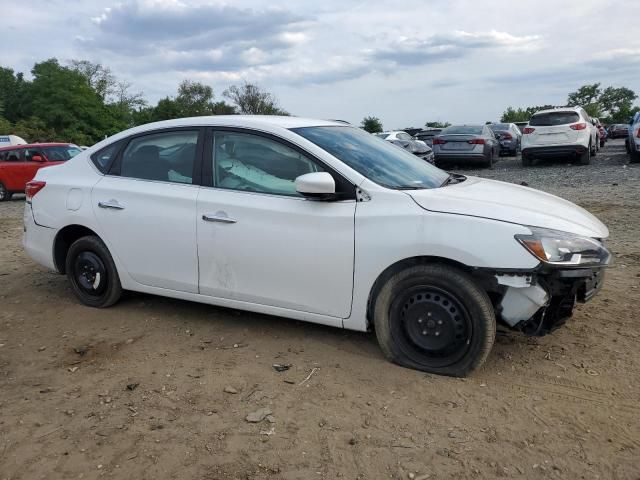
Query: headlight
{"points": [[560, 248]]}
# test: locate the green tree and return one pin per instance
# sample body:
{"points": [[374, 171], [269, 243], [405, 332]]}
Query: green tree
{"points": [[13, 94], [250, 99], [585, 95], [437, 124], [63, 100], [194, 99], [99, 78], [371, 124], [34, 129], [223, 108], [617, 104], [511, 114]]}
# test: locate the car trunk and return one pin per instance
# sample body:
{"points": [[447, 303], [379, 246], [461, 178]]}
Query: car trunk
{"points": [[458, 142]]}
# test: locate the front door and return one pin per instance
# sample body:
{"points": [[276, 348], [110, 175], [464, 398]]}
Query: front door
{"points": [[146, 208], [259, 241]]}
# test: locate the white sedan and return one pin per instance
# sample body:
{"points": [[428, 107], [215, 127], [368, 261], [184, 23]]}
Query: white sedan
{"points": [[317, 221]]}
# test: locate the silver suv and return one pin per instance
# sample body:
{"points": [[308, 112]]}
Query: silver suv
{"points": [[633, 140]]}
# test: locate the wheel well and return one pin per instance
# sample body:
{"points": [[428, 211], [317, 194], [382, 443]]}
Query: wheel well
{"points": [[401, 265], [64, 240]]}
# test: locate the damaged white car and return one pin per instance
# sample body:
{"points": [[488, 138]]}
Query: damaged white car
{"points": [[317, 221]]}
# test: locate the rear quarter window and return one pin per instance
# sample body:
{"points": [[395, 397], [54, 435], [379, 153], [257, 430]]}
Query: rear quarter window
{"points": [[554, 118], [103, 159]]}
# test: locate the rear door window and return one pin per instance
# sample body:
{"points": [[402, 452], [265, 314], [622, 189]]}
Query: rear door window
{"points": [[552, 119], [166, 157]]}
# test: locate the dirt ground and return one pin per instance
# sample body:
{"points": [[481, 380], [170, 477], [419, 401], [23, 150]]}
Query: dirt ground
{"points": [[137, 391]]}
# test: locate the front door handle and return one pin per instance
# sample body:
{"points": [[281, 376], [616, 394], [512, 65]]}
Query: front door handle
{"points": [[114, 205], [218, 217]]}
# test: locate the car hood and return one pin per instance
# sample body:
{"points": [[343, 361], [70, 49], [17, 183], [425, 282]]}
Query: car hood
{"points": [[507, 202]]}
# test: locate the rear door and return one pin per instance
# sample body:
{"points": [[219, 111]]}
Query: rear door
{"points": [[146, 207]]}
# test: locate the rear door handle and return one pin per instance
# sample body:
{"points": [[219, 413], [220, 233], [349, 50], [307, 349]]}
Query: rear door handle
{"points": [[114, 205], [218, 217]]}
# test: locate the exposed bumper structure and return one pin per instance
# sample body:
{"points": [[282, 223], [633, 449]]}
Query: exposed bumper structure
{"points": [[540, 302]]}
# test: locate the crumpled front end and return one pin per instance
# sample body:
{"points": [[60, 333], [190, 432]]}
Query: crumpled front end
{"points": [[537, 303]]}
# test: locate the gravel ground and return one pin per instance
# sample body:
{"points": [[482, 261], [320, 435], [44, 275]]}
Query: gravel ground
{"points": [[158, 388]]}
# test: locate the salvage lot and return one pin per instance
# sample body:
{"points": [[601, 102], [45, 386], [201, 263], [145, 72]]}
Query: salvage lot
{"points": [[138, 390]]}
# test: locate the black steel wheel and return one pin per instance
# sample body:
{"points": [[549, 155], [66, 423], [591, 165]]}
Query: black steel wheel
{"points": [[92, 273], [433, 322], [434, 318]]}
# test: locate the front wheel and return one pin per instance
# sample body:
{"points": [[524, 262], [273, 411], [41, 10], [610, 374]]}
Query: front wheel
{"points": [[435, 318], [5, 195], [92, 273]]}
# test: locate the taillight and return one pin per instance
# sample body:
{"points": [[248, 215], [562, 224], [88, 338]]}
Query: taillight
{"points": [[528, 130], [476, 141], [638, 133], [33, 187], [506, 136], [578, 126], [438, 141]]}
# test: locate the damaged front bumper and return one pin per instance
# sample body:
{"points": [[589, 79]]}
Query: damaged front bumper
{"points": [[537, 303]]}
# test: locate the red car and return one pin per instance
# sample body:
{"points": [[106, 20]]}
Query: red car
{"points": [[19, 163]]}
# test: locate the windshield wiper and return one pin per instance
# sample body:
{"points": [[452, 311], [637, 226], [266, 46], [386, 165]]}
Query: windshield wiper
{"points": [[453, 178]]}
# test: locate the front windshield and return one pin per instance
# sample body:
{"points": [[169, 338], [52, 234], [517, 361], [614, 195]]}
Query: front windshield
{"points": [[61, 153], [382, 135], [378, 160]]}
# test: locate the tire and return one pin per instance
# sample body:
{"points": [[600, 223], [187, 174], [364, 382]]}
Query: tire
{"points": [[601, 143], [594, 149], [585, 158], [527, 161], [5, 195], [410, 336], [489, 162], [92, 273], [634, 157]]}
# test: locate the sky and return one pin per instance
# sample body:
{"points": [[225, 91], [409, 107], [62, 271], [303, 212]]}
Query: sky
{"points": [[408, 62]]}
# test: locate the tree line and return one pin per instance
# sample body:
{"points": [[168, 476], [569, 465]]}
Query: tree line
{"points": [[83, 102], [610, 104]]}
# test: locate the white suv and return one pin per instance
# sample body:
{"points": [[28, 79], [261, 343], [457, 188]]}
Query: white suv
{"points": [[559, 132]]}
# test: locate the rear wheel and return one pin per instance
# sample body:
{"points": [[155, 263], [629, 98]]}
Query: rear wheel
{"points": [[634, 156], [5, 195], [434, 318], [585, 158], [92, 273], [489, 162]]}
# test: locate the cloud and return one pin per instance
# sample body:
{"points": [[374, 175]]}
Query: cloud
{"points": [[180, 36], [439, 47]]}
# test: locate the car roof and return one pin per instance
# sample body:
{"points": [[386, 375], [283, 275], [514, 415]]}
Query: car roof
{"points": [[32, 145], [253, 121], [560, 110]]}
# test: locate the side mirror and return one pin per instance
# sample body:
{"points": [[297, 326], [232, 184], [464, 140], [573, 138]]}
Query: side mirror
{"points": [[37, 158], [320, 185]]}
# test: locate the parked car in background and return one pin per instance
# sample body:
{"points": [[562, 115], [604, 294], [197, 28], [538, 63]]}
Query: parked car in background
{"points": [[427, 136], [317, 221], [417, 148], [508, 135], [475, 143], [521, 125], [559, 132], [19, 163], [408, 142], [619, 130], [8, 140], [633, 139]]}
